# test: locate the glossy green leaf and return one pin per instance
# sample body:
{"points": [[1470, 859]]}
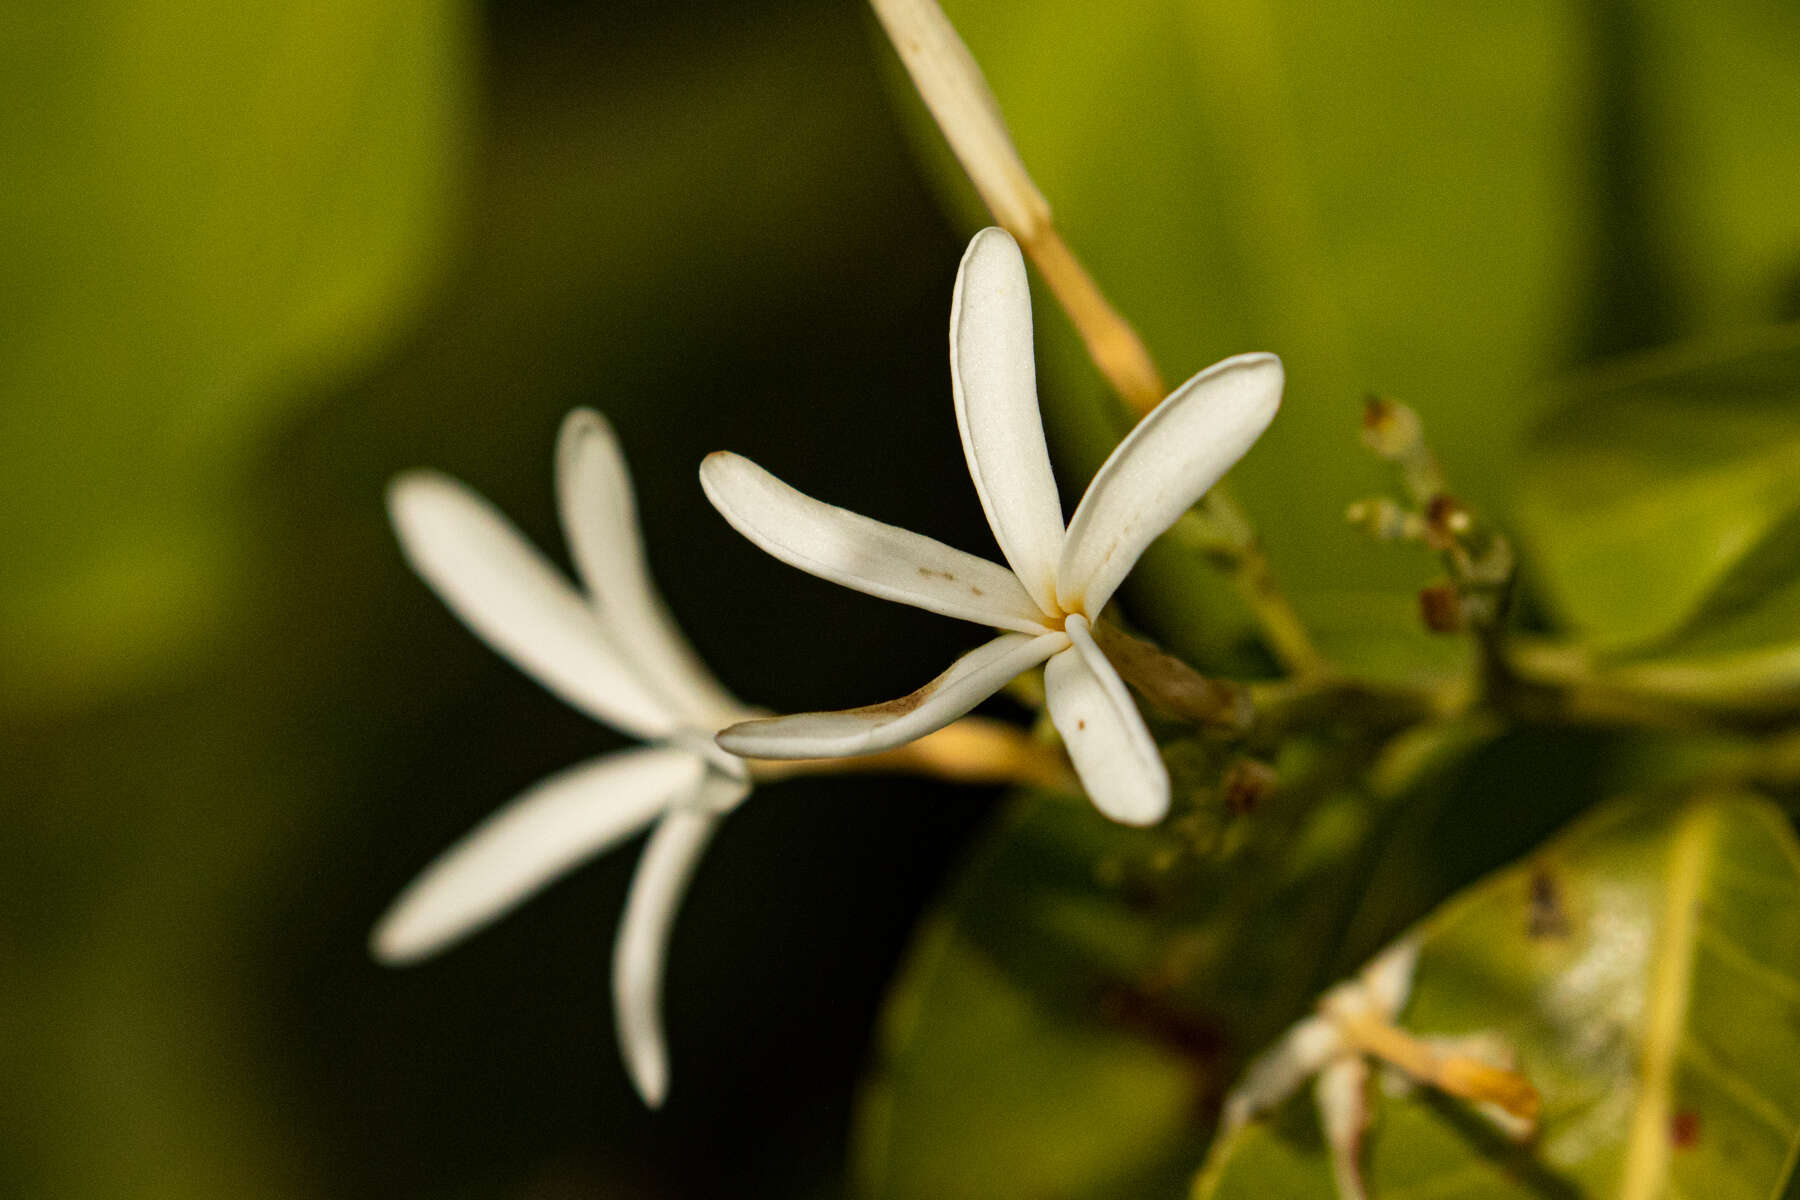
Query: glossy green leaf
{"points": [[1659, 497], [1442, 206], [1646, 968], [213, 209]]}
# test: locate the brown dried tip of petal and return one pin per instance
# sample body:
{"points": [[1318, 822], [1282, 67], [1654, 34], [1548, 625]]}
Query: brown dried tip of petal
{"points": [[1441, 608]]}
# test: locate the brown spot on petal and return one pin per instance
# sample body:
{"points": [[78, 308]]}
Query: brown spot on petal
{"points": [[1684, 1129], [900, 707]]}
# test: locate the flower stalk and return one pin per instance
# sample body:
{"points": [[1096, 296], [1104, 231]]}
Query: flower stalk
{"points": [[1459, 1075], [1173, 686], [958, 97]]}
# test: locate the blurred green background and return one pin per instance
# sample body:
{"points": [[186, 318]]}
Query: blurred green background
{"points": [[255, 259]]}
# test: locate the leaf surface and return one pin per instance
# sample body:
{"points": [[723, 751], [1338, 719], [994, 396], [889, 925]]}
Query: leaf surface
{"points": [[216, 210], [1659, 497], [1389, 199], [1646, 968]]}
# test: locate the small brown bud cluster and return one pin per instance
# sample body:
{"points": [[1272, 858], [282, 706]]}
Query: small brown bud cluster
{"points": [[1479, 559], [1247, 782], [1391, 430], [1441, 608], [1447, 522]]}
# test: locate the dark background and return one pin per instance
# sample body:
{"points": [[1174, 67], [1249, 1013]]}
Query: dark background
{"points": [[210, 847]]}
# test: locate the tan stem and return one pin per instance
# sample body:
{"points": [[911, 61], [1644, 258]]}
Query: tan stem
{"points": [[1110, 339], [1456, 1074], [1122, 357], [1173, 686]]}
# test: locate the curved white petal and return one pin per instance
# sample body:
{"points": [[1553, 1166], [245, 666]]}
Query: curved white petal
{"points": [[599, 516], [994, 379], [1275, 1074], [502, 588], [1166, 464], [970, 680], [1112, 750], [1342, 1093], [536, 838], [861, 553], [643, 944]]}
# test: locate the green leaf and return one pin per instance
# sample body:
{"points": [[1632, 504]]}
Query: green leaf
{"points": [[1019, 1062], [1646, 967], [1720, 84], [214, 209], [1444, 207], [1658, 498]]}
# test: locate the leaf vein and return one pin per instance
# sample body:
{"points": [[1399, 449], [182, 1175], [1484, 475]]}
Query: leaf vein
{"points": [[1739, 1087], [1722, 946]]}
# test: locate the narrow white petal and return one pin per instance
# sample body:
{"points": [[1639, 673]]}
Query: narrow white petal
{"points": [[1279, 1071], [970, 680], [994, 379], [832, 543], [530, 842], [1108, 743], [643, 945], [1342, 1093], [502, 588], [1166, 464], [599, 516], [1387, 979]]}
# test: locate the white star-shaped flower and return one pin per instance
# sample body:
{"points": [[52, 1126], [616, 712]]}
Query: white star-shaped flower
{"points": [[615, 654], [1059, 579], [1320, 1046], [1355, 1025]]}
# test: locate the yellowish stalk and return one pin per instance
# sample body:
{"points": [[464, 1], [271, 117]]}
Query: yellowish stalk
{"points": [[1455, 1074], [959, 99]]}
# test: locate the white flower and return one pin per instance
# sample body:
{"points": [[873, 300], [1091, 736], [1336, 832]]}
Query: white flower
{"points": [[615, 654], [1059, 580], [1320, 1045], [1356, 1023]]}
